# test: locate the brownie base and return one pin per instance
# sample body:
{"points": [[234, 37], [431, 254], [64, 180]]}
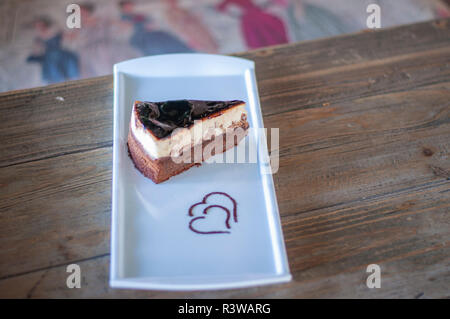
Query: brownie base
{"points": [[161, 169]]}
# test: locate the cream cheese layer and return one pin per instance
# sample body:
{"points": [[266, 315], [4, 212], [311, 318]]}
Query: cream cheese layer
{"points": [[183, 137]]}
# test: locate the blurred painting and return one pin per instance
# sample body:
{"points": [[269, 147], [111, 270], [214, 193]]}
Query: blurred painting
{"points": [[38, 48]]}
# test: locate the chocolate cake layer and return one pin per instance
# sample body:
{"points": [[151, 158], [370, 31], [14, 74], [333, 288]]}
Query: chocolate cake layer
{"points": [[161, 169]]}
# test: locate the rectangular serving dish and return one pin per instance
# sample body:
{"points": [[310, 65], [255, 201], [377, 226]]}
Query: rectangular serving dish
{"points": [[152, 246]]}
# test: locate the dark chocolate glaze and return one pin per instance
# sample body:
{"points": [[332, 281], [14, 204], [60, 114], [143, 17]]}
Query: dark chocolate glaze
{"points": [[205, 211], [162, 118]]}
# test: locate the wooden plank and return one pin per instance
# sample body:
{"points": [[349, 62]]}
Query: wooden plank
{"points": [[284, 93], [360, 148], [55, 120], [54, 211], [340, 153], [329, 250]]}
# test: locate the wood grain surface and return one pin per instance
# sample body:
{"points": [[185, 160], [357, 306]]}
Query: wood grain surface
{"points": [[364, 172]]}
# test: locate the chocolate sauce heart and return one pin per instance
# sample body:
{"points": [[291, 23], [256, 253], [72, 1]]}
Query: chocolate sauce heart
{"points": [[204, 214], [205, 211]]}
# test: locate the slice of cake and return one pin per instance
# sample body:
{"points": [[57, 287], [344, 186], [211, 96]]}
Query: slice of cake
{"points": [[167, 138]]}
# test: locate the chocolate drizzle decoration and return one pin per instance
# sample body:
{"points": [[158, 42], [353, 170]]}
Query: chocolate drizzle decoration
{"points": [[162, 118], [229, 214]]}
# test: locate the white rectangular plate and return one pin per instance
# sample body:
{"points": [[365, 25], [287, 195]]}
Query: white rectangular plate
{"points": [[152, 246]]}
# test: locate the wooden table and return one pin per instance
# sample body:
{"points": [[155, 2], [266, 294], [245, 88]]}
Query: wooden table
{"points": [[364, 172]]}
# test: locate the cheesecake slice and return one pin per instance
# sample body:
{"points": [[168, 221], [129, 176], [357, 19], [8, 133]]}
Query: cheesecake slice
{"points": [[167, 138]]}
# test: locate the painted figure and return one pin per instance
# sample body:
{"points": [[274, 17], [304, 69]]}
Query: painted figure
{"points": [[58, 64], [258, 27], [190, 28], [146, 38], [97, 43]]}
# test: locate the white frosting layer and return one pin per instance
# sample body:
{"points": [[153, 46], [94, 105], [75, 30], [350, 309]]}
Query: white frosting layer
{"points": [[183, 137]]}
